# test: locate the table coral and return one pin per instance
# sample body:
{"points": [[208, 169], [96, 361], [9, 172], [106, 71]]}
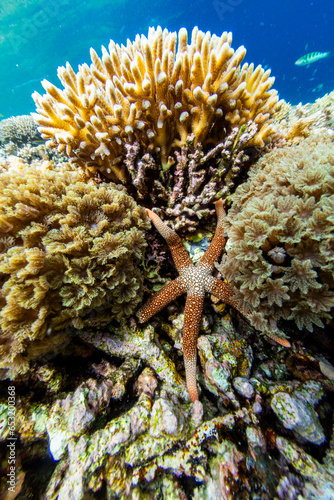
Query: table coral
{"points": [[280, 251], [157, 90], [69, 255]]}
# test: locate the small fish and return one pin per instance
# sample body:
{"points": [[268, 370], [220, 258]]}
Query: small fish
{"points": [[311, 57], [35, 80], [318, 88]]}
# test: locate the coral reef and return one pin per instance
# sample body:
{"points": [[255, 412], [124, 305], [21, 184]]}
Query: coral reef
{"points": [[70, 254], [19, 130], [30, 153], [299, 122], [110, 416], [279, 256], [175, 122], [19, 137]]}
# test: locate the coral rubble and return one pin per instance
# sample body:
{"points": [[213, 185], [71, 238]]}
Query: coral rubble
{"points": [[69, 255], [280, 256]]}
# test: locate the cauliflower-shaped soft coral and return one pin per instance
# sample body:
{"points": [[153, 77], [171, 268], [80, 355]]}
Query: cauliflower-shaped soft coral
{"points": [[70, 253], [280, 256]]}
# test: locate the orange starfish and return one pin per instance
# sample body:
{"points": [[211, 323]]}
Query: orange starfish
{"points": [[195, 280]]}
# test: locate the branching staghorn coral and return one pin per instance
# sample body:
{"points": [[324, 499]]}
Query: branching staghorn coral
{"points": [[19, 136], [188, 191], [156, 91], [69, 256], [280, 256], [19, 130]]}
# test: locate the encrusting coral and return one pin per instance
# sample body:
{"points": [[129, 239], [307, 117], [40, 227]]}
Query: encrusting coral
{"points": [[280, 227], [128, 113], [69, 255]]}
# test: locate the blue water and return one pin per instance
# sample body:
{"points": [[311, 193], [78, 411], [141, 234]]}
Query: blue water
{"points": [[36, 37]]}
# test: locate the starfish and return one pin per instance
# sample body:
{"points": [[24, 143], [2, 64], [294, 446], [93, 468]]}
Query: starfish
{"points": [[194, 280]]}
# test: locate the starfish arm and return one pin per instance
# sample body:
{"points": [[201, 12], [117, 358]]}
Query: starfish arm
{"points": [[214, 250], [159, 300], [225, 292], [179, 253], [218, 242], [220, 211], [192, 322], [280, 340]]}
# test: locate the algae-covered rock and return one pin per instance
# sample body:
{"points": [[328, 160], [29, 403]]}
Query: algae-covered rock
{"points": [[141, 344], [244, 387], [296, 413], [318, 482], [126, 429]]}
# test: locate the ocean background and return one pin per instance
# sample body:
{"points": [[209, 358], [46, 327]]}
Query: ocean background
{"points": [[36, 37]]}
